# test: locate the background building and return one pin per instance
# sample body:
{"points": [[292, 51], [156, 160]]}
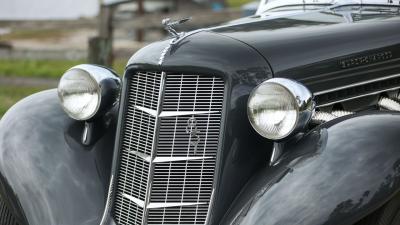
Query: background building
{"points": [[47, 9]]}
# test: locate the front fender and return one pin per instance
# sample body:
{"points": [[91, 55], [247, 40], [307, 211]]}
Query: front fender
{"points": [[335, 175], [55, 178]]}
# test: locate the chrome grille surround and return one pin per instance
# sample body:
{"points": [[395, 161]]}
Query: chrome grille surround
{"points": [[168, 150]]}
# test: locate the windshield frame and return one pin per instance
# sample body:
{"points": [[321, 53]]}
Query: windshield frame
{"points": [[262, 8]]}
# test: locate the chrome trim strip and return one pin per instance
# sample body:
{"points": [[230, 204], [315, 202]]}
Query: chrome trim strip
{"points": [[389, 104], [175, 159], [146, 110], [358, 96], [157, 205], [209, 206], [185, 113], [148, 158], [163, 53], [108, 202], [154, 148], [138, 202], [356, 84], [173, 204], [114, 169], [276, 153], [143, 156], [172, 113]]}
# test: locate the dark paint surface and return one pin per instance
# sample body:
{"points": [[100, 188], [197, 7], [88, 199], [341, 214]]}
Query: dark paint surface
{"points": [[54, 177], [336, 174]]}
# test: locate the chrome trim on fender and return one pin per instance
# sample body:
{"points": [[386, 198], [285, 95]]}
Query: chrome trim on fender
{"points": [[107, 207], [358, 96], [359, 84], [389, 104], [356, 84]]}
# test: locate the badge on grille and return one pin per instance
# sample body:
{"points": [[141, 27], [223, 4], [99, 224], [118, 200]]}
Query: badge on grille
{"points": [[192, 130]]}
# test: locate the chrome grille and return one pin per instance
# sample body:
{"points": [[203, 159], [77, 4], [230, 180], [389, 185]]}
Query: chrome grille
{"points": [[192, 93], [6, 215], [168, 149], [138, 136]]}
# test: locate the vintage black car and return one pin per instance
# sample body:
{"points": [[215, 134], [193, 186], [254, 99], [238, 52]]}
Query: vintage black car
{"points": [[290, 116]]}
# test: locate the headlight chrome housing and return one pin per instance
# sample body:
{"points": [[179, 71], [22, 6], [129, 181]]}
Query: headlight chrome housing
{"points": [[86, 91], [279, 108]]}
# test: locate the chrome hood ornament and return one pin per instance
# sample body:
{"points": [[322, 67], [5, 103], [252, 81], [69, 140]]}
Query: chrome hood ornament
{"points": [[169, 25]]}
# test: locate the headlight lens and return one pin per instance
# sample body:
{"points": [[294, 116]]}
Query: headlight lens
{"points": [[85, 90], [279, 107], [79, 94]]}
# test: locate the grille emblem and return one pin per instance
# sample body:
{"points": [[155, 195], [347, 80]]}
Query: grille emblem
{"points": [[192, 130]]}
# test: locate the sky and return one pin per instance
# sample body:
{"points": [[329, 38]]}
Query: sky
{"points": [[47, 9]]}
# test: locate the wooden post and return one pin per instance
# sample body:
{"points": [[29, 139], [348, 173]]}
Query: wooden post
{"points": [[175, 4], [100, 47], [140, 12]]}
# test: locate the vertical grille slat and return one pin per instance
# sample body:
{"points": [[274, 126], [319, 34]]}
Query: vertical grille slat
{"points": [[6, 216], [168, 151]]}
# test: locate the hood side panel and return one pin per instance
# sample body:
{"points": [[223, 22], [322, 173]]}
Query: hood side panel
{"points": [[312, 49]]}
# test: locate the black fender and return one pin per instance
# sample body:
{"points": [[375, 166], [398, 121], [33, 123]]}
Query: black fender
{"points": [[335, 175], [52, 177]]}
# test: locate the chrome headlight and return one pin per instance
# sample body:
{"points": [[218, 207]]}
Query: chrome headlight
{"points": [[280, 107], [86, 91]]}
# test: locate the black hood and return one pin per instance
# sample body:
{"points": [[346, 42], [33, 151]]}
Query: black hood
{"points": [[307, 45], [322, 49]]}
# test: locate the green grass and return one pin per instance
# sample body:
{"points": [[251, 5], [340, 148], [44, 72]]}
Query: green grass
{"points": [[54, 69], [33, 34], [35, 68], [9, 95], [237, 3], [44, 68]]}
